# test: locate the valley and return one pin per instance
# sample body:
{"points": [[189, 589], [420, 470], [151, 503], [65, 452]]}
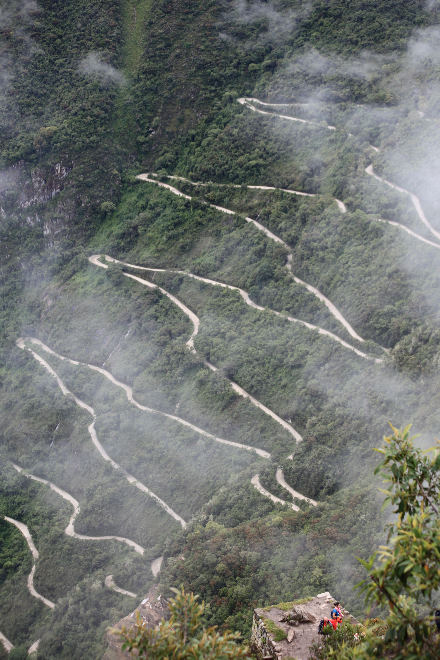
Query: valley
{"points": [[209, 321]]}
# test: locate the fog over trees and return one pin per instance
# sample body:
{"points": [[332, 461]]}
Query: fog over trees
{"points": [[220, 269]]}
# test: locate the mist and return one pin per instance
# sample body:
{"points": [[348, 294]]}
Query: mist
{"points": [[94, 66], [272, 22], [390, 101]]}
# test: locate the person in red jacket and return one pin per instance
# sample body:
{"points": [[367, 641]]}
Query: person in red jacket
{"points": [[336, 615]]}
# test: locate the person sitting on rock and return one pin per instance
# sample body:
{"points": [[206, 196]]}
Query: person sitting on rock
{"points": [[336, 611], [336, 615]]}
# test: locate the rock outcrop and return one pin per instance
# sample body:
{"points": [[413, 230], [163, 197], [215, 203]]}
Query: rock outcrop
{"points": [[152, 609], [288, 630]]}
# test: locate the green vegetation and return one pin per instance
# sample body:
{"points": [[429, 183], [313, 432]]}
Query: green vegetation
{"points": [[288, 606], [340, 643], [277, 632], [184, 635], [404, 575], [135, 13], [96, 92]]}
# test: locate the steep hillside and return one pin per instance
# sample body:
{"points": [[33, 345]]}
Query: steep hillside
{"points": [[220, 262]]}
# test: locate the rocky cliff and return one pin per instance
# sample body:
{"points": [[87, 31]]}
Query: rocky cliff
{"points": [[288, 630], [152, 609]]}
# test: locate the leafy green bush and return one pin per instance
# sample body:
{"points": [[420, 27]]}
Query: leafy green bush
{"points": [[184, 636]]}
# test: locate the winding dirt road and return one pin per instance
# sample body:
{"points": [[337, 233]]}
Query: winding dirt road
{"points": [[7, 645], [70, 529], [330, 306], [247, 299], [414, 199], [294, 493], [92, 432], [130, 398], [35, 556], [190, 343], [409, 231], [250, 103], [34, 647], [110, 584], [255, 481], [340, 204]]}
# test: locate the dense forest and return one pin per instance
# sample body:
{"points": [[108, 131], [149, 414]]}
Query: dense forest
{"points": [[219, 274]]}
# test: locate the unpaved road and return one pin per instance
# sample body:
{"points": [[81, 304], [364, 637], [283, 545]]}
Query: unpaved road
{"points": [[34, 647], [251, 104], [247, 299], [190, 343], [414, 199], [330, 306], [110, 584], [340, 204], [410, 232], [70, 529], [7, 645], [35, 556], [281, 480], [255, 481], [92, 432], [129, 394]]}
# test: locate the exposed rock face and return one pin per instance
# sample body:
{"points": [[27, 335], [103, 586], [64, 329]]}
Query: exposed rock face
{"points": [[152, 609], [288, 630], [44, 185], [25, 193]]}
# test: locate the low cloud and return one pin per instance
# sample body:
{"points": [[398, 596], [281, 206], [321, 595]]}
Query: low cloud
{"points": [[363, 67], [273, 21], [94, 66]]}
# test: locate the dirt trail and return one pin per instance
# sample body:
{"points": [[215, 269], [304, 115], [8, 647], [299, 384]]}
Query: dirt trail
{"points": [[283, 483], [340, 204], [330, 306], [250, 103], [92, 432], [129, 394], [156, 565], [409, 231], [70, 529], [7, 645], [110, 584], [414, 199], [35, 556], [255, 481], [34, 647], [246, 299], [239, 390]]}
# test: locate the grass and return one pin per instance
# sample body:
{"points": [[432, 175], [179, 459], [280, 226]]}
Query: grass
{"points": [[134, 14], [272, 628], [285, 607]]}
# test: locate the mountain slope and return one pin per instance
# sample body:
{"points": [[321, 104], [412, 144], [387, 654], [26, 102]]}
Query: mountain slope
{"points": [[271, 303]]}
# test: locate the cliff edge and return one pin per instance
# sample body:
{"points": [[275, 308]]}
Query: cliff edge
{"points": [[152, 609], [288, 630]]}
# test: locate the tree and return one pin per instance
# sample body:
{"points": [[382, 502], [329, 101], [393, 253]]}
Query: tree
{"points": [[404, 576], [183, 636]]}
